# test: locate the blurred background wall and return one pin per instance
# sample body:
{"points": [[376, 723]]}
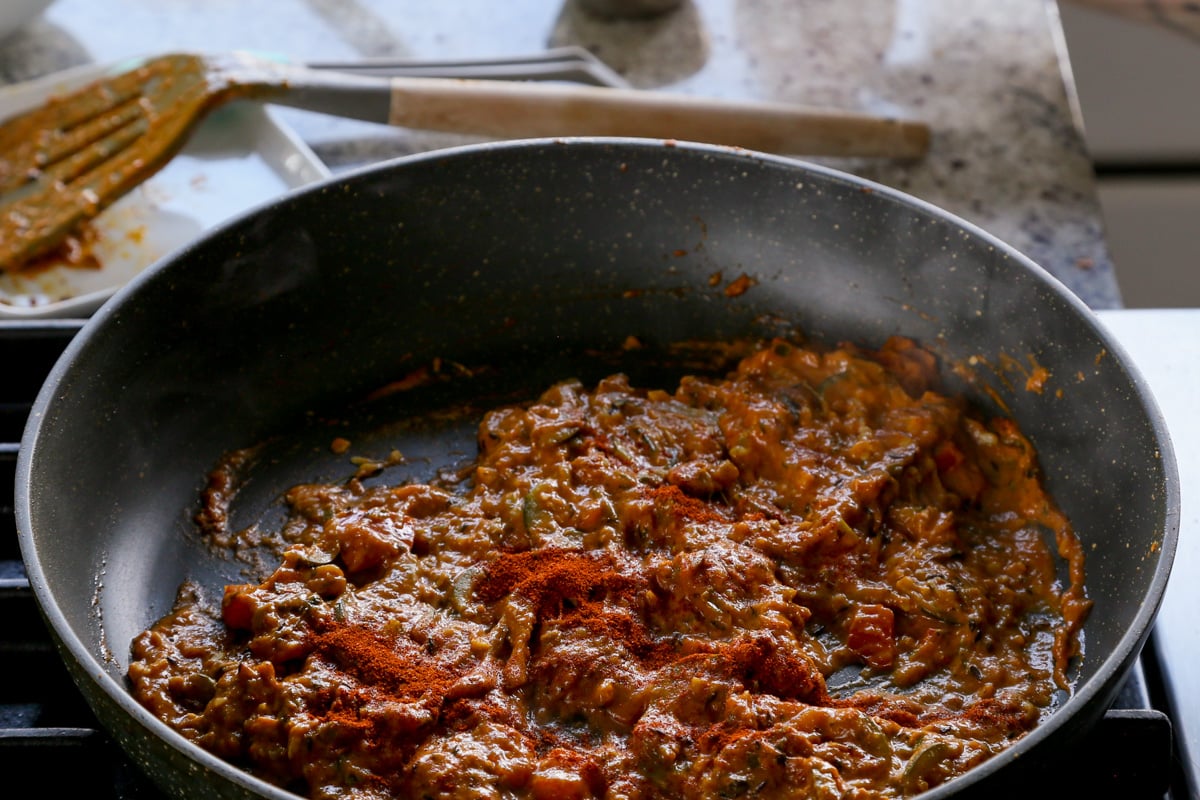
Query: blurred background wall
{"points": [[1139, 93]]}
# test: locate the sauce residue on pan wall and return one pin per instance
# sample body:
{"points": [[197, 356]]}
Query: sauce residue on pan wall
{"points": [[818, 576]]}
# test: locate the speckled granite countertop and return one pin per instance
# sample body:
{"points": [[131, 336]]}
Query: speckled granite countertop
{"points": [[990, 77]]}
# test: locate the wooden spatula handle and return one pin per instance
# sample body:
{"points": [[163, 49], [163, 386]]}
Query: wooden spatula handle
{"points": [[522, 109]]}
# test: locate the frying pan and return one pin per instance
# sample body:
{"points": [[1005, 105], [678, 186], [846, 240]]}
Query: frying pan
{"points": [[512, 266]]}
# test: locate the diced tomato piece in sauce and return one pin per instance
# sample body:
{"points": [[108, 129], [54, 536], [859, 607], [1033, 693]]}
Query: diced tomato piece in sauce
{"points": [[872, 635]]}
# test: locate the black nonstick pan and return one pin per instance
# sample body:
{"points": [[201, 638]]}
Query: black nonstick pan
{"points": [[500, 269]]}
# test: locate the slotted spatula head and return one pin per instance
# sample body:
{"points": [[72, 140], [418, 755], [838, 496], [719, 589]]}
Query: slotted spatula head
{"points": [[66, 161]]}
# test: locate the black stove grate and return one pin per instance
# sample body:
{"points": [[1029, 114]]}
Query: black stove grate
{"points": [[48, 731]]}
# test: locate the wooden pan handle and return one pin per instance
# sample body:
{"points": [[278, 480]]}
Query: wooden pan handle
{"points": [[514, 109]]}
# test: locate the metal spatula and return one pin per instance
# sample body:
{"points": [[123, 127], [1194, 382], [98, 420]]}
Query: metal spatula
{"points": [[66, 161]]}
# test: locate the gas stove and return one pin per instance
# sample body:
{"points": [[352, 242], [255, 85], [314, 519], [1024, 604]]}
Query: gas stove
{"points": [[1147, 745]]}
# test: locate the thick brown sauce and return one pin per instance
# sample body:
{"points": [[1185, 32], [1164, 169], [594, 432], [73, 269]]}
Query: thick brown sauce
{"points": [[639, 594]]}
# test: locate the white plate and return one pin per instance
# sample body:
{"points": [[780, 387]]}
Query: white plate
{"points": [[241, 155]]}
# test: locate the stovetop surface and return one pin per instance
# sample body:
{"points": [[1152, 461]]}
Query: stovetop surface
{"points": [[1146, 746]]}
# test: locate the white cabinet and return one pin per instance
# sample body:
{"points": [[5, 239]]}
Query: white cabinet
{"points": [[1139, 92], [1154, 239]]}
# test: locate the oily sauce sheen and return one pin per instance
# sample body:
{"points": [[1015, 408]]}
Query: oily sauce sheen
{"points": [[817, 577]]}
